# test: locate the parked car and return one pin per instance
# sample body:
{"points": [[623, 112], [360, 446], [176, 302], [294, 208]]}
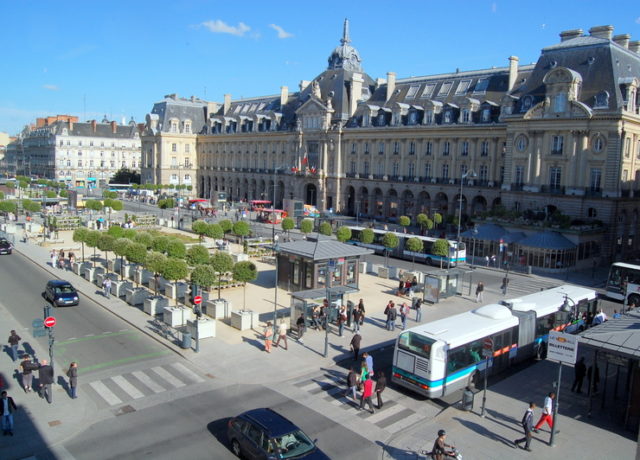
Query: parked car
{"points": [[5, 246], [264, 434], [61, 293]]}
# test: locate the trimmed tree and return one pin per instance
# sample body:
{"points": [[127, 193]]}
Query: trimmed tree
{"points": [[244, 272], [144, 238], [390, 241], [94, 205], [226, 225], [222, 263], [440, 248], [120, 249], [367, 236], [154, 261], [306, 226], [177, 249], [136, 253], [116, 231], [197, 255], [437, 218], [160, 244], [241, 229], [325, 228], [404, 222], [80, 236], [174, 270], [105, 244], [203, 275], [200, 228], [214, 231], [421, 220], [414, 245], [343, 234], [129, 233], [92, 241], [287, 224]]}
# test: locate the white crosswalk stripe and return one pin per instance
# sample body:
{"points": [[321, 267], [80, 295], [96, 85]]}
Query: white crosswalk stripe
{"points": [[145, 379], [162, 372], [384, 413], [127, 387], [405, 422], [105, 393], [183, 370]]}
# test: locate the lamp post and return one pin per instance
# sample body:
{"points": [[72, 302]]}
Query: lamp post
{"points": [[473, 251], [273, 220], [462, 178], [275, 292]]}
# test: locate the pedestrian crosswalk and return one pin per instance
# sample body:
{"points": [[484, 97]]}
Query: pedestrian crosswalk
{"points": [[141, 383], [519, 286]]}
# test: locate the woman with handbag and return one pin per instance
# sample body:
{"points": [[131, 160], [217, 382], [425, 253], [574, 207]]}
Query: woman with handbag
{"points": [[72, 373]]}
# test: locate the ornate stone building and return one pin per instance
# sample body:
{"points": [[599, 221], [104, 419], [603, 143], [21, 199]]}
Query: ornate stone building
{"points": [[562, 134]]}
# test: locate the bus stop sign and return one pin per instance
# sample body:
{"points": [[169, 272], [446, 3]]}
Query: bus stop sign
{"points": [[487, 347]]}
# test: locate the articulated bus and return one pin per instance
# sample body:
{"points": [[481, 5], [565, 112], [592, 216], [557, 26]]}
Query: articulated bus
{"points": [[438, 358], [624, 281], [400, 252]]}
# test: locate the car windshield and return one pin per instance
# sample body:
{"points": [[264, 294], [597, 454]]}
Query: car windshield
{"points": [[294, 444], [65, 290]]}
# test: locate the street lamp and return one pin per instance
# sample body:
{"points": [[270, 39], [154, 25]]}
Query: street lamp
{"points": [[275, 292], [473, 251], [273, 220], [468, 174]]}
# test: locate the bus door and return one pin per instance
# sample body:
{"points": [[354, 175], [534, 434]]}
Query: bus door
{"points": [[526, 333], [503, 342]]}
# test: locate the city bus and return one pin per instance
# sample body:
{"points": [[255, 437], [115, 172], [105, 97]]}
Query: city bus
{"points": [[401, 252], [438, 358], [257, 205], [624, 280]]}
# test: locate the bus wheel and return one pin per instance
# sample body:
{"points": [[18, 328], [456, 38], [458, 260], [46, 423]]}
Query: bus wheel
{"points": [[472, 381], [429, 261], [541, 352], [634, 299]]}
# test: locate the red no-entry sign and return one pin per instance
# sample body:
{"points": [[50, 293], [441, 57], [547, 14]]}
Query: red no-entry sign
{"points": [[49, 321], [197, 300]]}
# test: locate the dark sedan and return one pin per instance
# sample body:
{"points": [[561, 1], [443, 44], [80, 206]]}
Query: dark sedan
{"points": [[5, 246], [61, 293]]}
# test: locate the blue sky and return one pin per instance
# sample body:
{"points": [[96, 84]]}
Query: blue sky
{"points": [[117, 58]]}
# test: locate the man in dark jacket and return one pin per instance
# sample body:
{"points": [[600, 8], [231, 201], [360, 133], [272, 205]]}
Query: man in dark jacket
{"points": [[391, 317], [27, 368], [355, 345], [527, 426], [381, 384], [352, 383], [45, 379], [580, 371], [14, 340]]}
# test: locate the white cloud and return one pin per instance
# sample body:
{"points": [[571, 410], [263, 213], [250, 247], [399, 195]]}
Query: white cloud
{"points": [[221, 27], [494, 7], [281, 32], [51, 87]]}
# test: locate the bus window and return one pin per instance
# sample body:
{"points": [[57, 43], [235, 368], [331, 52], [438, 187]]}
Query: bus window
{"points": [[544, 324], [463, 356], [415, 343]]}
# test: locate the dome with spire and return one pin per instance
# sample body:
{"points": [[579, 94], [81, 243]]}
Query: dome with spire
{"points": [[345, 56]]}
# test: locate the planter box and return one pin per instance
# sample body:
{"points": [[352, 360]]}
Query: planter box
{"points": [[155, 305], [118, 288], [218, 308], [177, 316], [206, 328], [240, 257], [175, 290], [136, 296], [383, 272], [114, 265], [78, 267], [142, 276], [161, 284], [245, 319], [90, 273], [129, 270]]}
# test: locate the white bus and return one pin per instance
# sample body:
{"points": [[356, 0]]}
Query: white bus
{"points": [[458, 255], [624, 280], [438, 358]]}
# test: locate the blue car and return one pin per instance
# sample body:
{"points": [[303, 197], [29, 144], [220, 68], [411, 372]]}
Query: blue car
{"points": [[266, 435], [61, 293]]}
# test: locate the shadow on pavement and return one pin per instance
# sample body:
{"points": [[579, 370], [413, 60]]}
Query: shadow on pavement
{"points": [[484, 431], [404, 454], [218, 429]]}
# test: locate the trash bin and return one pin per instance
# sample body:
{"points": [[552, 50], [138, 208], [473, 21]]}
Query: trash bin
{"points": [[186, 340], [467, 399], [529, 269]]}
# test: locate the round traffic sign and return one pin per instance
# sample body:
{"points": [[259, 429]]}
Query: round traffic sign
{"points": [[487, 343], [197, 300], [50, 321]]}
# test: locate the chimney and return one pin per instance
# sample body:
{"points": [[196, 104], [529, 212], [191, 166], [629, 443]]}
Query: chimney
{"points": [[601, 32], [635, 46], [356, 92], [513, 71], [71, 121], [570, 34], [391, 84], [114, 126], [284, 95], [622, 40], [93, 125], [212, 108], [227, 104]]}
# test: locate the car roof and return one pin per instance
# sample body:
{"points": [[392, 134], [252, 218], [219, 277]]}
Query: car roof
{"points": [[270, 421], [59, 283]]}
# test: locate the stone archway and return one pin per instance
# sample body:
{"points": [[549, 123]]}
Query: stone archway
{"points": [[424, 203], [496, 202], [478, 205], [392, 204], [378, 203], [408, 204], [350, 193], [311, 194], [456, 204], [441, 203]]}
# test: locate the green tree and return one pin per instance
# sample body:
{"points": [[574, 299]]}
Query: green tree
{"points": [[441, 248], [199, 227], [92, 241], [429, 225], [414, 245], [160, 244], [214, 231], [203, 275], [105, 244], [144, 238], [166, 203], [343, 234], [63, 193], [129, 233], [197, 255], [176, 249], [174, 270], [222, 263], [390, 241], [116, 231], [80, 236], [404, 221], [125, 176], [421, 220], [1, 195], [136, 253], [241, 229], [94, 205], [226, 225], [287, 224], [8, 206], [31, 206], [154, 261], [244, 272], [120, 246], [306, 226], [367, 236], [51, 194], [325, 228], [109, 194], [437, 218]]}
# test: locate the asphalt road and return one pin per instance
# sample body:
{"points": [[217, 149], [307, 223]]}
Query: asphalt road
{"points": [[86, 333], [194, 427]]}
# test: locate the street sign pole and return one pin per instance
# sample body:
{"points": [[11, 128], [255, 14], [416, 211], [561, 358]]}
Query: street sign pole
{"points": [[563, 348], [487, 352], [197, 300], [47, 316], [556, 403]]}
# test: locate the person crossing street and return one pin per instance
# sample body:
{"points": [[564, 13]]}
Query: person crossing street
{"points": [[527, 426]]}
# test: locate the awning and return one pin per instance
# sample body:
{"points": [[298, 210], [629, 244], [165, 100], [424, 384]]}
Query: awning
{"points": [[490, 232], [547, 240]]}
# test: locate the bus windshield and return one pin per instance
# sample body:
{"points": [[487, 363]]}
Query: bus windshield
{"points": [[623, 278], [416, 344]]}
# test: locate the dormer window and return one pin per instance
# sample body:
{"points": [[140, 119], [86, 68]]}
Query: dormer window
{"points": [[466, 116], [560, 103], [445, 89], [428, 117], [601, 100], [481, 86], [448, 116], [413, 90], [486, 115], [463, 86], [187, 127], [428, 90], [174, 126], [380, 119], [413, 117]]}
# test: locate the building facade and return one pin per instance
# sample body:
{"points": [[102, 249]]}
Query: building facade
{"points": [[558, 137], [78, 154]]}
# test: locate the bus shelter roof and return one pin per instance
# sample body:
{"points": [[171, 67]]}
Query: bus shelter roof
{"points": [[319, 247], [312, 294], [619, 336]]}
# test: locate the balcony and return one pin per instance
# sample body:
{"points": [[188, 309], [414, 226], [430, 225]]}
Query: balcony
{"points": [[552, 189]]}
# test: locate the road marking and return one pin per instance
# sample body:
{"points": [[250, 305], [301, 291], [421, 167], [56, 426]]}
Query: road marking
{"points": [[125, 360], [384, 413], [144, 378], [162, 372], [127, 387], [105, 393], [405, 422], [334, 390], [184, 370], [90, 337], [309, 386]]}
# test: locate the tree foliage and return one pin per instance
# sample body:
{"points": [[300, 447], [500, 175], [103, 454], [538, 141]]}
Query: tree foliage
{"points": [[437, 218], [120, 246], [241, 229], [144, 238], [222, 263], [166, 203], [203, 275], [176, 249], [325, 228], [343, 234], [287, 224], [154, 261], [197, 255], [244, 272], [125, 176], [94, 205], [115, 205], [390, 240], [8, 206], [175, 269], [136, 253], [226, 225], [31, 206], [414, 244], [199, 227], [109, 194], [160, 244], [306, 226], [214, 231], [116, 231], [80, 236], [366, 236], [129, 233], [404, 221], [92, 238]]}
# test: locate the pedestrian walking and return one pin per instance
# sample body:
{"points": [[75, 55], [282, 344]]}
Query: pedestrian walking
{"points": [[106, 286], [45, 380], [342, 319], [579, 371], [72, 259], [362, 311], [355, 345], [14, 341], [505, 284], [368, 361], [282, 334], [27, 367], [479, 292], [527, 426], [61, 259], [381, 384], [493, 260], [391, 313], [72, 373], [352, 383], [268, 337], [367, 392], [8, 408], [54, 257], [301, 325], [547, 412], [315, 316], [486, 260], [356, 320], [406, 311]]}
